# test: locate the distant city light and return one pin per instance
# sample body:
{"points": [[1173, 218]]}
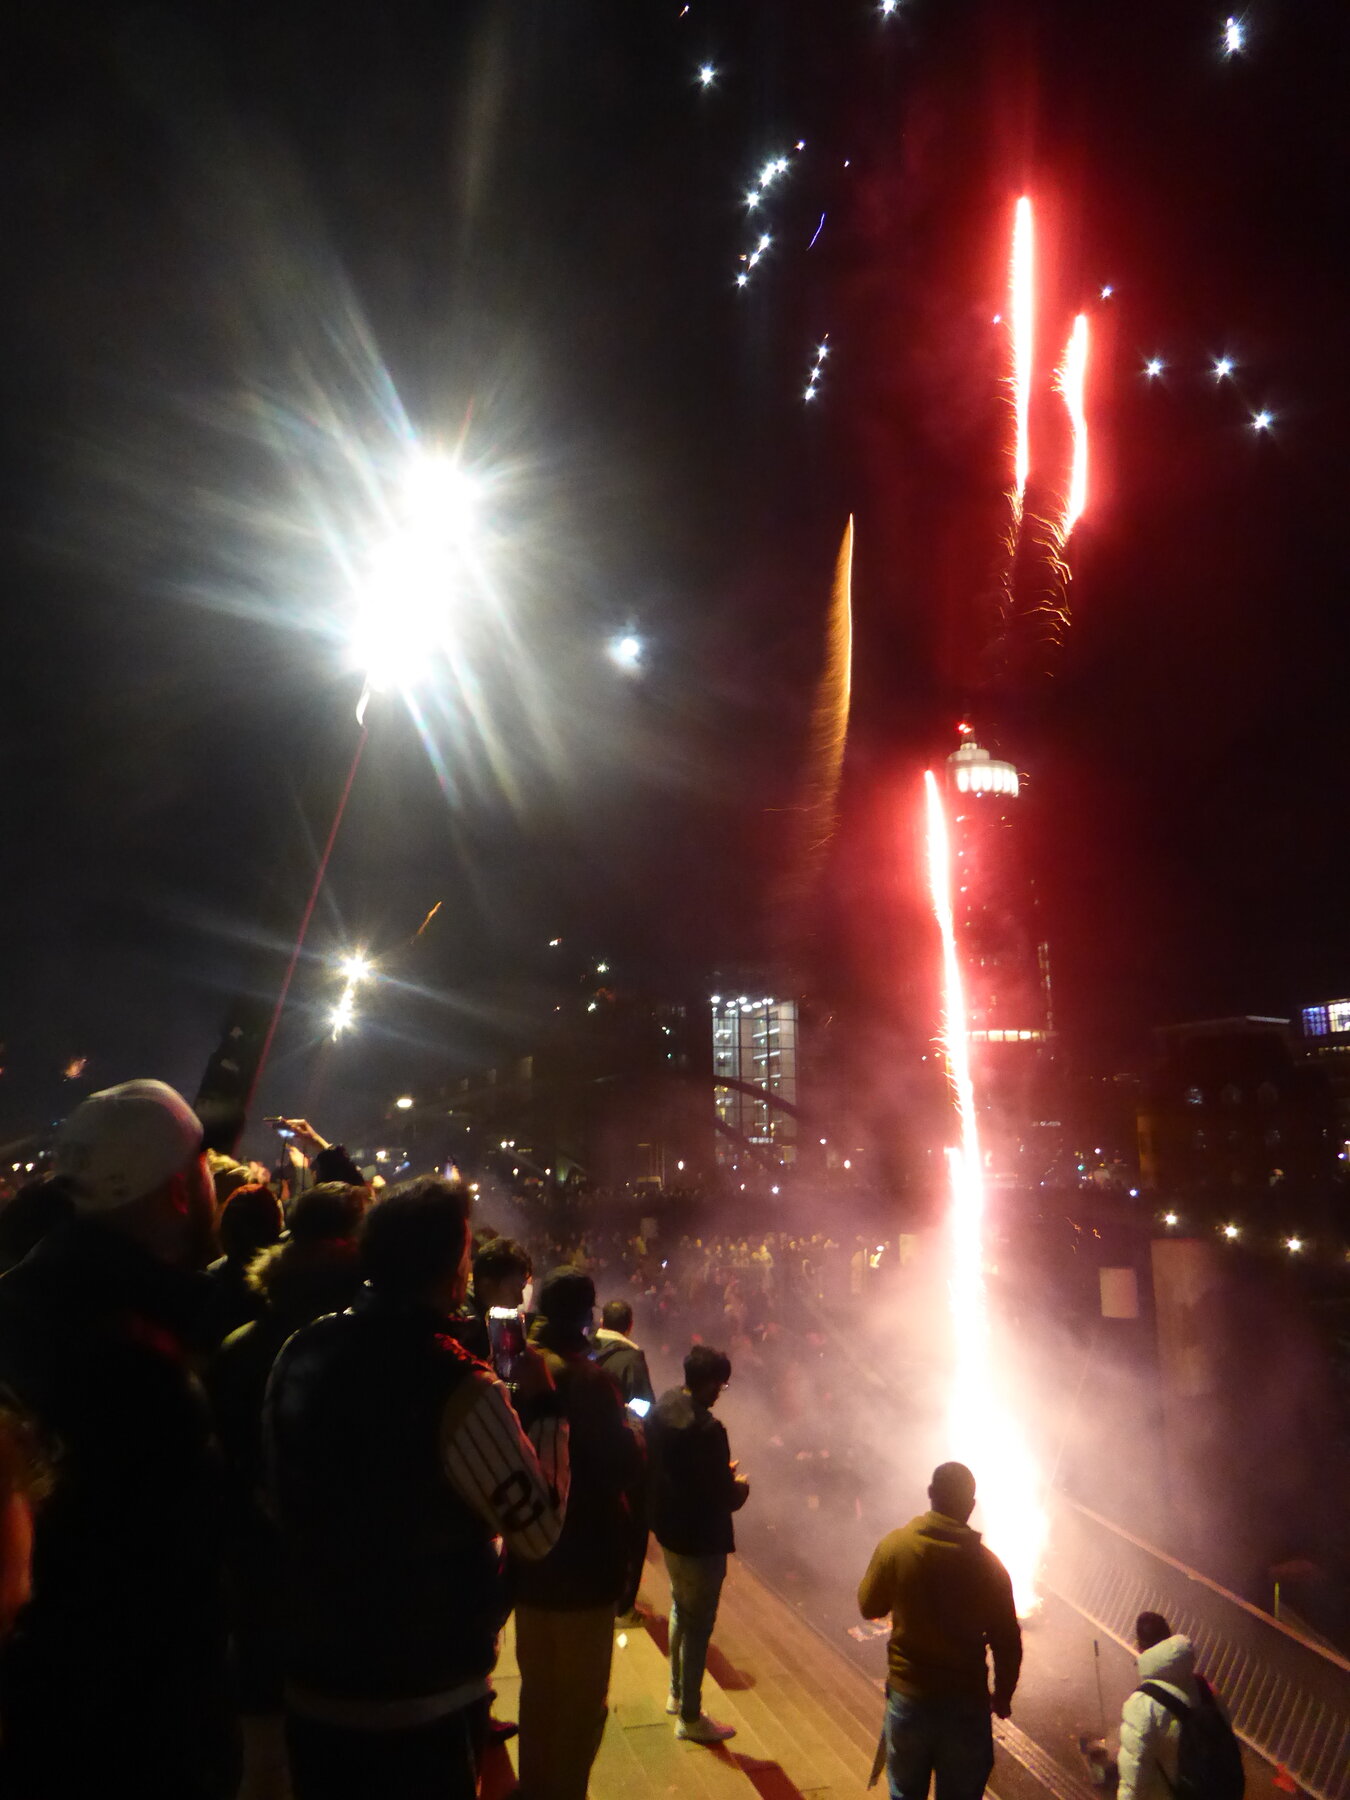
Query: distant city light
{"points": [[1262, 421], [707, 75], [626, 651], [405, 1102], [1154, 367], [1293, 1245], [1234, 37]]}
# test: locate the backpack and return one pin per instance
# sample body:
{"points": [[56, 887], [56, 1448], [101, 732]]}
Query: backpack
{"points": [[1209, 1757]]}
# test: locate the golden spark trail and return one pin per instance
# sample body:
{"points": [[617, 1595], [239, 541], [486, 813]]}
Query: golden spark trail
{"points": [[983, 1433], [1071, 380], [1022, 331], [829, 721], [815, 811]]}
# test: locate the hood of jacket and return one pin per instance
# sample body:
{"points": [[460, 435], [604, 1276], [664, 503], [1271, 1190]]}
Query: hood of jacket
{"points": [[934, 1535], [302, 1279], [611, 1340], [1172, 1661]]}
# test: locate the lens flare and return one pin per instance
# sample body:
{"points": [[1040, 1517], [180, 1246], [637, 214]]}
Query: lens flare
{"points": [[1022, 331], [1071, 380], [983, 1432]]}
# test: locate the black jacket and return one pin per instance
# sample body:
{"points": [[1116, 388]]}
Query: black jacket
{"points": [[691, 1485], [121, 1656], [620, 1357], [590, 1564], [393, 1584]]}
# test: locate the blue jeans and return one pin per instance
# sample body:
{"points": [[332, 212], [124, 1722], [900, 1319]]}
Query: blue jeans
{"points": [[695, 1589], [950, 1738]]}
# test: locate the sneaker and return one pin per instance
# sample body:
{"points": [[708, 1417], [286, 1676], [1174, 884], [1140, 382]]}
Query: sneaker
{"points": [[672, 1702], [704, 1730]]}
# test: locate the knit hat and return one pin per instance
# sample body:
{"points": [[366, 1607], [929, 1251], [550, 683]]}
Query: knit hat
{"points": [[567, 1297], [123, 1143]]}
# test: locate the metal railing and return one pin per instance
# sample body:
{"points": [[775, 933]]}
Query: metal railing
{"points": [[1289, 1698]]}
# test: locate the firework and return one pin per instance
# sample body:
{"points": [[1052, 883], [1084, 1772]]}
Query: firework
{"points": [[1022, 333], [983, 1432], [817, 810], [1071, 380]]}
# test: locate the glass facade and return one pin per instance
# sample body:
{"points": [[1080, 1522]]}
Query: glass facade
{"points": [[755, 1047], [1330, 1020]]}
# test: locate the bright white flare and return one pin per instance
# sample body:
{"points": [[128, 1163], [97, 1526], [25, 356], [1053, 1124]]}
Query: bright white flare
{"points": [[356, 968], [983, 1432], [707, 75], [416, 577], [1154, 367], [1223, 367], [1022, 317], [1071, 379], [1234, 37], [1262, 421], [626, 652]]}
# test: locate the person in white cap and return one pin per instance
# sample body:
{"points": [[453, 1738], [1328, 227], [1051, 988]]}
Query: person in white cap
{"points": [[115, 1680]]}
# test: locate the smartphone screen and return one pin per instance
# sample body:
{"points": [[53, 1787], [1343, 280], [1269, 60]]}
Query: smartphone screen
{"points": [[640, 1408], [506, 1334]]}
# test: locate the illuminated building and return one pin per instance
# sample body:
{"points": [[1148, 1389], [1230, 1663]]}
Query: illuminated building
{"points": [[754, 1041], [1230, 1106]]}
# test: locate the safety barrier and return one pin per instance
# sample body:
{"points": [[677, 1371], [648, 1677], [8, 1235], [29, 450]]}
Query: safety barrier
{"points": [[1289, 1698]]}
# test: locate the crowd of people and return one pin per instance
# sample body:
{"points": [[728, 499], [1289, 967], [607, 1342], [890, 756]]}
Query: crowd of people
{"points": [[297, 1456]]}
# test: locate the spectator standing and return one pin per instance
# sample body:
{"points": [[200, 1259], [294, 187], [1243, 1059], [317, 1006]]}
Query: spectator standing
{"points": [[1152, 1720], [501, 1270], [950, 1602], [693, 1491], [621, 1358], [626, 1362], [397, 1461], [565, 1604], [310, 1273], [116, 1679], [250, 1220]]}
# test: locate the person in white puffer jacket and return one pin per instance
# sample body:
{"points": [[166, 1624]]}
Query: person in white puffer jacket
{"points": [[1149, 1733]]}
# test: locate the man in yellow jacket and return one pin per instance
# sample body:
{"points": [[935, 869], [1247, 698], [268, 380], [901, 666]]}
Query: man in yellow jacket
{"points": [[951, 1603]]}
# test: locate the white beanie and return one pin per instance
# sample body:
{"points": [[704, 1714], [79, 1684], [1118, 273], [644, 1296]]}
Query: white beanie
{"points": [[125, 1142]]}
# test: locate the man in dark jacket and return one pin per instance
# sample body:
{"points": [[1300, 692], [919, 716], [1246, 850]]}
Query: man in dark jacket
{"points": [[620, 1357], [565, 1604], [950, 1602], [116, 1678], [693, 1490], [313, 1271], [397, 1461]]}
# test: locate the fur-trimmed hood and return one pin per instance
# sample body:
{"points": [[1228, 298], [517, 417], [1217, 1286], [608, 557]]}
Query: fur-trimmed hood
{"points": [[302, 1279]]}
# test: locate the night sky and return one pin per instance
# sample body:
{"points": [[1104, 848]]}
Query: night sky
{"points": [[236, 234]]}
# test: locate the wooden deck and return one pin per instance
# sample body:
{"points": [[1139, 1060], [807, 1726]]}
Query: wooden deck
{"points": [[806, 1720]]}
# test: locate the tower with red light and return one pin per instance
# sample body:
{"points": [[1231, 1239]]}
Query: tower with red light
{"points": [[1005, 960]]}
